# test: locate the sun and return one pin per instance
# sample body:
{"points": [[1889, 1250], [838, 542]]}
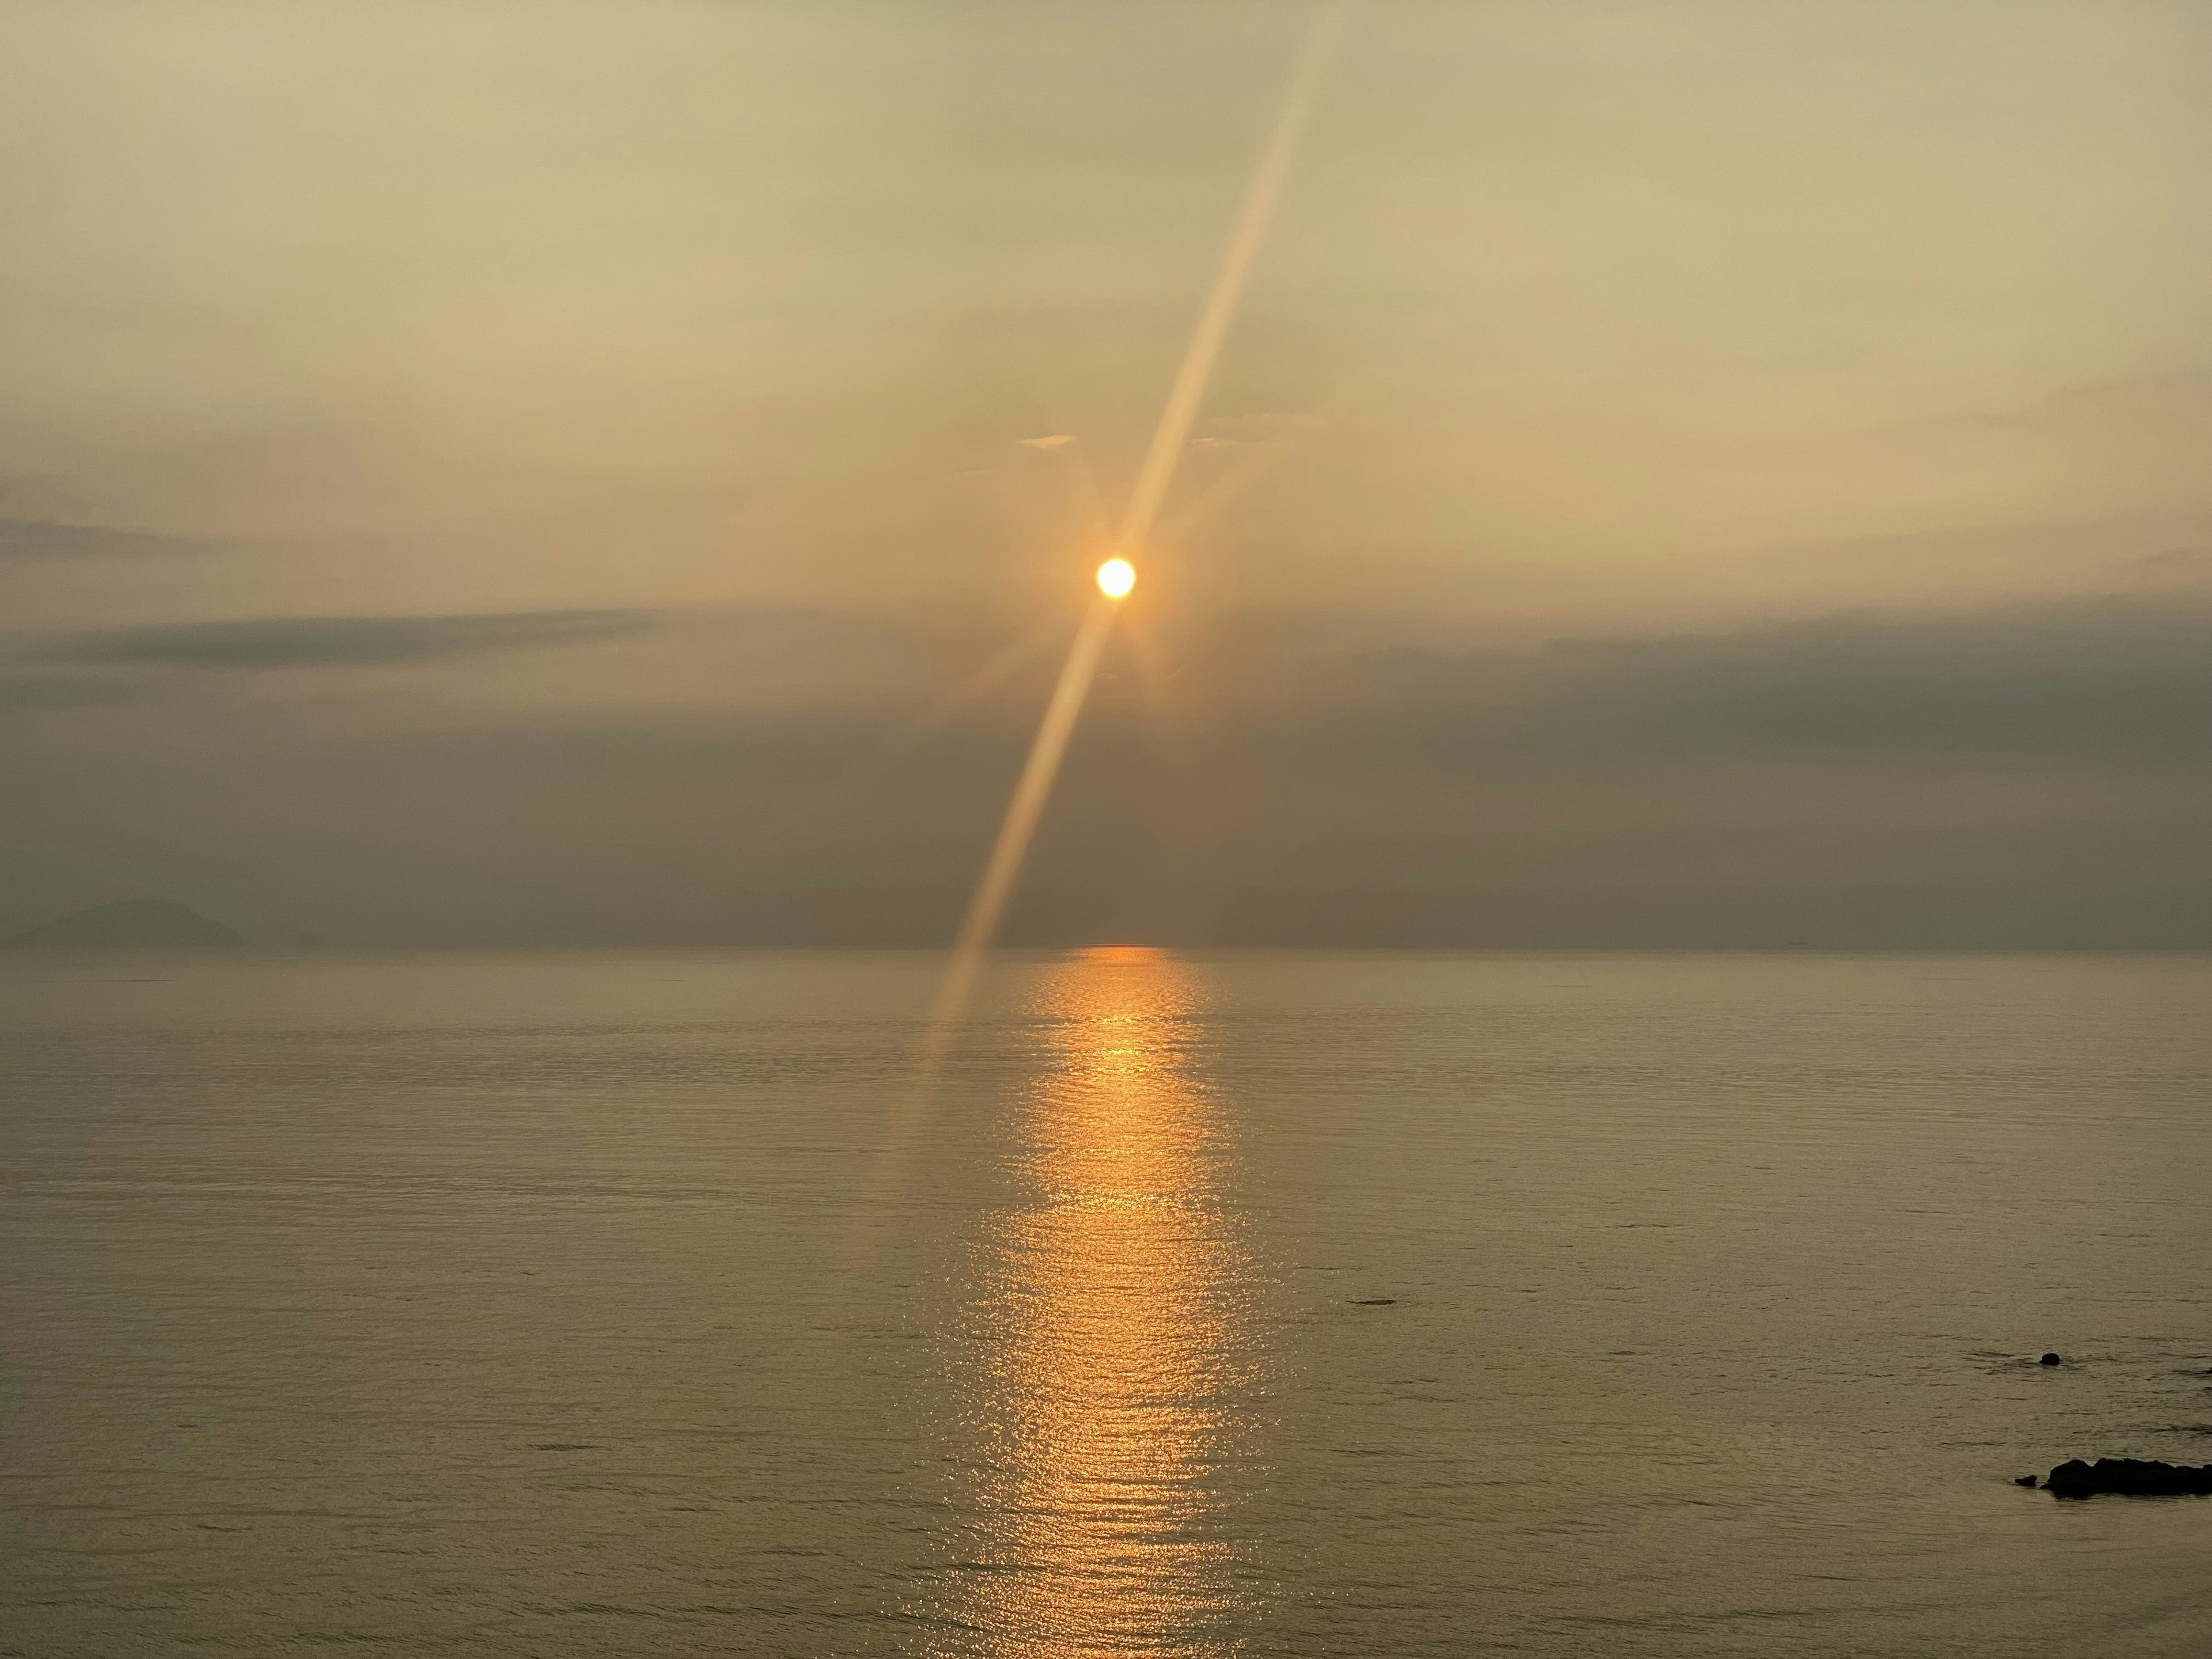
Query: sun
{"points": [[1115, 578]]}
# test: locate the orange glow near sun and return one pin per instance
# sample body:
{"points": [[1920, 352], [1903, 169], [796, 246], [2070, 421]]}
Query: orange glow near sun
{"points": [[1121, 956]]}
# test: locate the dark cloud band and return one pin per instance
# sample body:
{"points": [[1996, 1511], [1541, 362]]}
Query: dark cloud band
{"points": [[26, 540], [338, 641]]}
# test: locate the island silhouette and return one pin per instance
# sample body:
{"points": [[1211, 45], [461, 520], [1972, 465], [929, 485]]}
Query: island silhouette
{"points": [[127, 923]]}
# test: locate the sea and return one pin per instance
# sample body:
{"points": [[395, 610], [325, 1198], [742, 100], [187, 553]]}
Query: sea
{"points": [[676, 1303]]}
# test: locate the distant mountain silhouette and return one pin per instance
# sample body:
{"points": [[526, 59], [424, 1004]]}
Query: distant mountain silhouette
{"points": [[133, 921]]}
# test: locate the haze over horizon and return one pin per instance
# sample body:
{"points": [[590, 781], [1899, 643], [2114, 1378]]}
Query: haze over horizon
{"points": [[1709, 475]]}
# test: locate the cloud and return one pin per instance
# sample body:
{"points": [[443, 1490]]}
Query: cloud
{"points": [[29, 540], [338, 642], [1269, 426], [2099, 678], [38, 693], [2021, 774], [1051, 440], [2185, 560]]}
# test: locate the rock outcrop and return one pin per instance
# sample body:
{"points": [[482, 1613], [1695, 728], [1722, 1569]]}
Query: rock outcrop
{"points": [[2129, 1477]]}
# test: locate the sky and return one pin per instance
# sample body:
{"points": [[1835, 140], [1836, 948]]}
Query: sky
{"points": [[1704, 473]]}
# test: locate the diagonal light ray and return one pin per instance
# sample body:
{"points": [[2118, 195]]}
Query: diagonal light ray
{"points": [[1170, 439], [1004, 867], [862, 775], [1172, 435], [1252, 466]]}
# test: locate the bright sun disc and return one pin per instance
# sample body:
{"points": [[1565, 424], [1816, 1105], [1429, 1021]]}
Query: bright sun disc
{"points": [[1115, 578]]}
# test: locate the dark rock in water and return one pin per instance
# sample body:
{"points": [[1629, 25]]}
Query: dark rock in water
{"points": [[2050, 1359], [1374, 1301], [2023, 1480], [2130, 1477], [134, 922]]}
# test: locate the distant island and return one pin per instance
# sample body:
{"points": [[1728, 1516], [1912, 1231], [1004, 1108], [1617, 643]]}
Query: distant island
{"points": [[131, 922]]}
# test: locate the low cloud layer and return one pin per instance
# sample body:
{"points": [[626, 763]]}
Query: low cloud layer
{"points": [[335, 641], [35, 693], [27, 539], [2098, 677], [2018, 775]]}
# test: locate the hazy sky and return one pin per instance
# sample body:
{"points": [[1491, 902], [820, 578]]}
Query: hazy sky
{"points": [[1684, 473]]}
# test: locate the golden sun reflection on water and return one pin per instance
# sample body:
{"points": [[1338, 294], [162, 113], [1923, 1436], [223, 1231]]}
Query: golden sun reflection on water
{"points": [[1113, 1341]]}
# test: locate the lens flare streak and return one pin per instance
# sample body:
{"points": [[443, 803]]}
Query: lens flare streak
{"points": [[1019, 825], [1170, 438], [1172, 435]]}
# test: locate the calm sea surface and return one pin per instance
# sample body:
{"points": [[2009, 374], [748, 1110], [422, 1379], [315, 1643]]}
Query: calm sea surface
{"points": [[1544, 1304]]}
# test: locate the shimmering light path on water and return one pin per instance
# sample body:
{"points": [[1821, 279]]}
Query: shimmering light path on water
{"points": [[1301, 1305], [1107, 1355]]}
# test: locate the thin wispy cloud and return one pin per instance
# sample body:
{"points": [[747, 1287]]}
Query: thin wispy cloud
{"points": [[29, 539], [336, 642], [48, 693]]}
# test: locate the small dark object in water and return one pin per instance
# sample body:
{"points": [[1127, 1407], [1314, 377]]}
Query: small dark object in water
{"points": [[2050, 1359], [2130, 1477], [2023, 1480], [1374, 1301]]}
